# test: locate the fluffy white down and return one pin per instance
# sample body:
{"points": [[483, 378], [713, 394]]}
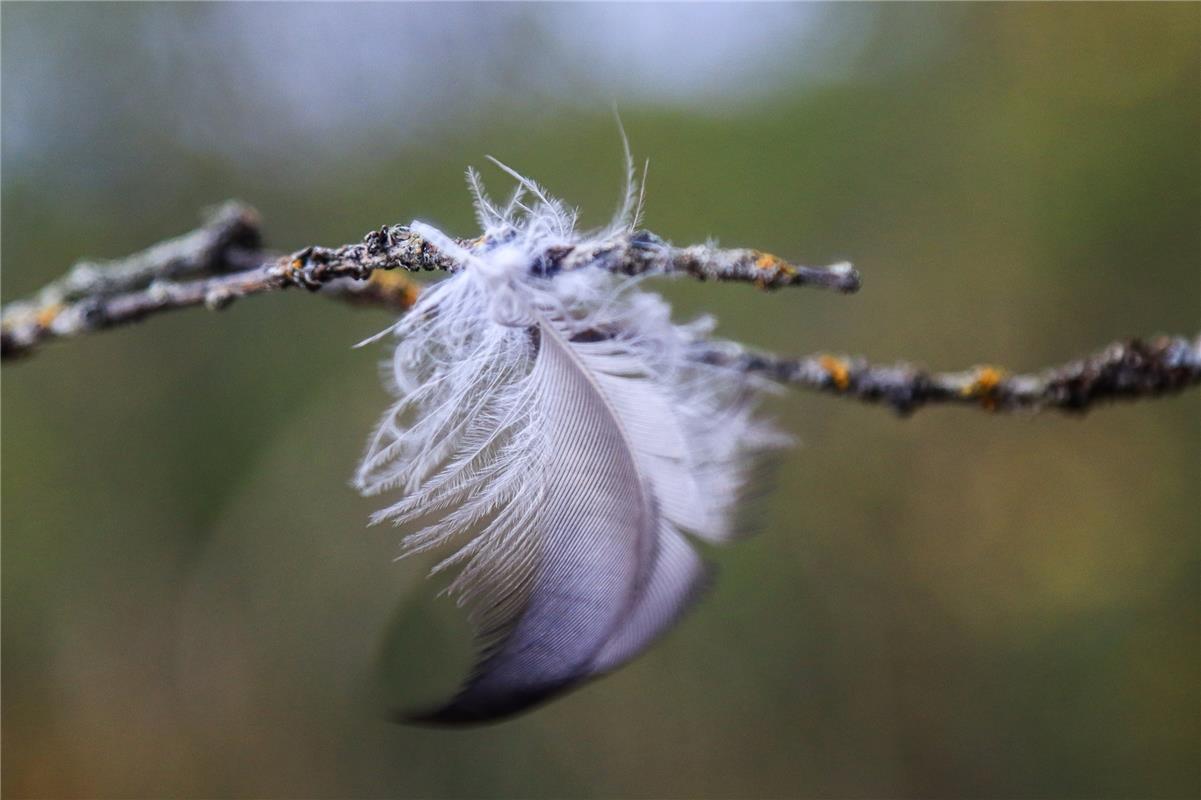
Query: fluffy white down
{"points": [[552, 428]]}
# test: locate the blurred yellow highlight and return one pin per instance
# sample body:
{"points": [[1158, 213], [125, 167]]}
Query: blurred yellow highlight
{"points": [[838, 370]]}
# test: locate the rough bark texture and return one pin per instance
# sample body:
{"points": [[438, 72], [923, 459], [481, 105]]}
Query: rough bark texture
{"points": [[223, 260], [1123, 370]]}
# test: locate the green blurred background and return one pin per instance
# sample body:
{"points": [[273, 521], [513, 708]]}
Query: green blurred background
{"points": [[954, 605]]}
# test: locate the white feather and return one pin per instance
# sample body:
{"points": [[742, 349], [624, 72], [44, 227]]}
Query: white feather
{"points": [[552, 429]]}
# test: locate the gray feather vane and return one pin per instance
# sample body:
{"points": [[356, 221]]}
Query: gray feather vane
{"points": [[551, 434]]}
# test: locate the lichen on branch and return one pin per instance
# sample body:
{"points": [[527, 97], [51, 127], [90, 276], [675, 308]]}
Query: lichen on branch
{"points": [[224, 260]]}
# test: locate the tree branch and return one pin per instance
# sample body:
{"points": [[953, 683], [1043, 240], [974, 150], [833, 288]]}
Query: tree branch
{"points": [[1124, 370], [226, 251], [223, 260]]}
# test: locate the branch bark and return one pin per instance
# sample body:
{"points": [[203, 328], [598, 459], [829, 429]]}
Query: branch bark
{"points": [[224, 260], [1124, 370]]}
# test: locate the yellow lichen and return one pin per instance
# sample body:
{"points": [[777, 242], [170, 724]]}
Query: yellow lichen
{"points": [[396, 284], [838, 370], [766, 261], [773, 264], [984, 385], [46, 315]]}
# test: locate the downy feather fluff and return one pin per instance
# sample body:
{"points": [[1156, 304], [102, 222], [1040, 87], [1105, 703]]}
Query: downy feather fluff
{"points": [[552, 430]]}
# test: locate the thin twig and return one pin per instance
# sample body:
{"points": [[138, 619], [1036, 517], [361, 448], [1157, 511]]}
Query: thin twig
{"points": [[1124, 370], [646, 254], [209, 250], [223, 260], [226, 252]]}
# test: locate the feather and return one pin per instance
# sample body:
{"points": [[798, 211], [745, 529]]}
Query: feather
{"points": [[551, 432]]}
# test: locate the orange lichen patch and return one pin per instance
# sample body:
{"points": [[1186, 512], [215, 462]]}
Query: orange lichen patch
{"points": [[396, 284], [767, 261], [776, 266], [295, 265], [47, 315], [984, 386], [838, 370]]}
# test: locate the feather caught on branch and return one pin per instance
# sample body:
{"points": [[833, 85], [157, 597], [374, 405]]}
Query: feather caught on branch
{"points": [[551, 421], [551, 424]]}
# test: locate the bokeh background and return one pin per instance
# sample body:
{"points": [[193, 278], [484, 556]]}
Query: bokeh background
{"points": [[954, 605]]}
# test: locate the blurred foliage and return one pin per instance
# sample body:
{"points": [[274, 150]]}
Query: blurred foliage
{"points": [[954, 605]]}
